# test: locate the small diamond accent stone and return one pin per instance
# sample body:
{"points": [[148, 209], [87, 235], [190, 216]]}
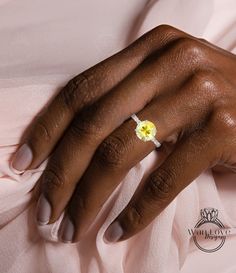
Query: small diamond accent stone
{"points": [[146, 130]]}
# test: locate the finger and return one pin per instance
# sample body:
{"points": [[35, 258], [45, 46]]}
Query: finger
{"points": [[40, 139], [120, 151], [96, 122], [193, 155]]}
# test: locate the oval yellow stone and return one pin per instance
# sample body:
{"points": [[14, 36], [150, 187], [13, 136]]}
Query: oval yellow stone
{"points": [[146, 130]]}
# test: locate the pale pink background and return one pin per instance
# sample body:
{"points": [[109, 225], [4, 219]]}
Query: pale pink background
{"points": [[43, 44]]}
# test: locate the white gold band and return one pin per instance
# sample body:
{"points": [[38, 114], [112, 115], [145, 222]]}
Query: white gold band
{"points": [[156, 142]]}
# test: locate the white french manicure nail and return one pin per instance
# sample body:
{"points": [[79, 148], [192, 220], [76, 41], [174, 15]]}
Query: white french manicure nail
{"points": [[43, 211], [22, 158], [67, 230], [114, 232]]}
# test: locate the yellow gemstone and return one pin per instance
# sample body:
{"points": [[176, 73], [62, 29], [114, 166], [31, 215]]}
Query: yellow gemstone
{"points": [[146, 130]]}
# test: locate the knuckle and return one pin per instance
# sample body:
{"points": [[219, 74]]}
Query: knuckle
{"points": [[164, 33], [88, 124], [41, 132], [165, 30], [207, 81], [52, 180], [76, 92], [190, 49], [161, 184], [223, 119], [205, 78], [111, 153]]}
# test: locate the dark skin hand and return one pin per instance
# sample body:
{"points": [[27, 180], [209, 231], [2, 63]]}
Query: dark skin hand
{"points": [[184, 85]]}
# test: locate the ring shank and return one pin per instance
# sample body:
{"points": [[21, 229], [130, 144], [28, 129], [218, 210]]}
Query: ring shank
{"points": [[156, 142]]}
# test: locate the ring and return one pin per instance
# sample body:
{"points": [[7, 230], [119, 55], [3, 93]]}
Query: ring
{"points": [[146, 130]]}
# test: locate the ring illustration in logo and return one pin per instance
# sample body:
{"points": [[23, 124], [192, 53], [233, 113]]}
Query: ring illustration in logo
{"points": [[209, 233]]}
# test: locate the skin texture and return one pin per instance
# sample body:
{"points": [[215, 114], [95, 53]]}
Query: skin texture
{"points": [[184, 85]]}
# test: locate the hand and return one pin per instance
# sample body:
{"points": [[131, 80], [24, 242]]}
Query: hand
{"points": [[183, 84]]}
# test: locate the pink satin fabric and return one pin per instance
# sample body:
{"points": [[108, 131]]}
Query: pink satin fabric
{"points": [[43, 45]]}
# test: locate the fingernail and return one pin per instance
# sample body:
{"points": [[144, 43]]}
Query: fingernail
{"points": [[23, 158], [43, 211], [114, 232], [67, 229]]}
